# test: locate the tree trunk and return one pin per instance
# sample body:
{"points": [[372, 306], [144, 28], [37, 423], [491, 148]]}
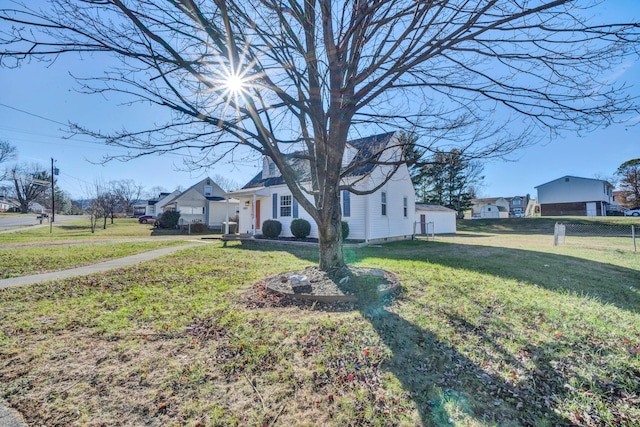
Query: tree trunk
{"points": [[330, 235]]}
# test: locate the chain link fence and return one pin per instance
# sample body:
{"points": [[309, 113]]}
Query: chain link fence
{"points": [[426, 229], [593, 230]]}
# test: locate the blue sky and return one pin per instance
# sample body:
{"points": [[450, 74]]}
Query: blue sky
{"points": [[47, 98]]}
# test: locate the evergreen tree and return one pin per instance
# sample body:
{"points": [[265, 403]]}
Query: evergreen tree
{"points": [[448, 179]]}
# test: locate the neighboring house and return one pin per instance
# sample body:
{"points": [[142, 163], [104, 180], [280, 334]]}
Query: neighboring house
{"points": [[493, 207], [153, 206], [518, 205], [36, 207], [386, 214], [203, 202], [499, 207], [434, 219], [572, 195], [7, 203]]}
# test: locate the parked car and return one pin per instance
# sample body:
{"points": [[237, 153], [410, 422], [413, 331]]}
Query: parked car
{"points": [[632, 212], [147, 219]]}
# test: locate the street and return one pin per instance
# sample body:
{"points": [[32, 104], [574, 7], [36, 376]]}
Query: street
{"points": [[26, 220]]}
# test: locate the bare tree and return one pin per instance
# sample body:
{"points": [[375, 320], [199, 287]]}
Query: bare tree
{"points": [[30, 181], [629, 174], [293, 79], [226, 183], [7, 152], [127, 193], [95, 209], [154, 192]]}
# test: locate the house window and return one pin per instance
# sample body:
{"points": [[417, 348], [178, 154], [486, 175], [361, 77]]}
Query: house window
{"points": [[285, 205], [383, 203], [346, 203], [272, 169], [405, 204], [191, 210], [516, 202], [207, 190], [274, 205]]}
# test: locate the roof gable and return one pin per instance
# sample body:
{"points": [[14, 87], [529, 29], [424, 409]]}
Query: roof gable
{"points": [[365, 148], [568, 178]]}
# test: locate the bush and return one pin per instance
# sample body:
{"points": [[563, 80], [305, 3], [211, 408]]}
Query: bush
{"points": [[198, 227], [271, 228], [300, 228], [345, 230], [168, 219]]}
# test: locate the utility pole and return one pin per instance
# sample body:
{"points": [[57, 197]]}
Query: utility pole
{"points": [[53, 196], [54, 171]]}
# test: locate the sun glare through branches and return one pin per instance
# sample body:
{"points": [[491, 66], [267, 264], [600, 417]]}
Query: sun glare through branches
{"points": [[234, 83]]}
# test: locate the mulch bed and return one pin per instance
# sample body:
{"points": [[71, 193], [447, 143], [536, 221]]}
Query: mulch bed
{"points": [[341, 289]]}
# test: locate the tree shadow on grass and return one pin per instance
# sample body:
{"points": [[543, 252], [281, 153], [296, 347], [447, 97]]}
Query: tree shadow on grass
{"points": [[447, 387]]}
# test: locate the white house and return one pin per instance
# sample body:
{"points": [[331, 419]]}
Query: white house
{"points": [[572, 195], [493, 207], [7, 203], [434, 219], [153, 206], [203, 202], [386, 214]]}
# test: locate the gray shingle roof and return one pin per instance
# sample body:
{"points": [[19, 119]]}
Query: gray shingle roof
{"points": [[369, 147]]}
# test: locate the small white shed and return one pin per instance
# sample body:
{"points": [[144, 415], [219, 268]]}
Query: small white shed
{"points": [[443, 220]]}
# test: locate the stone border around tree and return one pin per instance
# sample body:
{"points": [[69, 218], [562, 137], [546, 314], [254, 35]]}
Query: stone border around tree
{"points": [[324, 287]]}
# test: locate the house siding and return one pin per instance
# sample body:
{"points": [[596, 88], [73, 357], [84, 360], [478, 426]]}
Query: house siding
{"points": [[357, 224], [569, 209], [572, 189], [394, 224]]}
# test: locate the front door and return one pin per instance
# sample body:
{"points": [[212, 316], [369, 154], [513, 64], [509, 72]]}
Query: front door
{"points": [[258, 214], [591, 209]]}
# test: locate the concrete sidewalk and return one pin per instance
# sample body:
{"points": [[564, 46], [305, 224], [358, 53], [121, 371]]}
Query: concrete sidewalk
{"points": [[93, 268]]}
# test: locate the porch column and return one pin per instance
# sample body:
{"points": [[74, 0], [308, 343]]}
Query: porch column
{"points": [[226, 224]]}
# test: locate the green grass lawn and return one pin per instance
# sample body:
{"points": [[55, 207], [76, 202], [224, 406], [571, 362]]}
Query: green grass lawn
{"points": [[489, 329], [123, 228]]}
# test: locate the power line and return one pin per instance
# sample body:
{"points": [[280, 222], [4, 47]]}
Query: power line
{"points": [[33, 114], [102, 146], [105, 147]]}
